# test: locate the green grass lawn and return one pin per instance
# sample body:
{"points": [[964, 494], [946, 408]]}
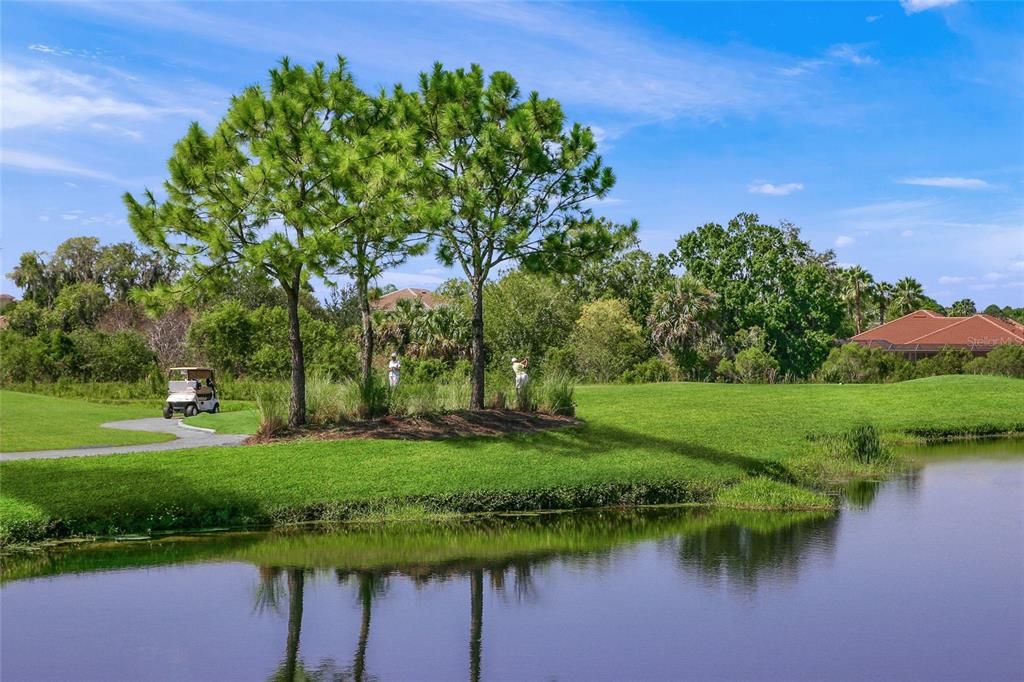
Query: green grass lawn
{"points": [[657, 442], [243, 420], [38, 422]]}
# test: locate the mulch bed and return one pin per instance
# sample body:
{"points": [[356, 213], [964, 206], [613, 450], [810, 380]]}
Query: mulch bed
{"points": [[465, 424]]}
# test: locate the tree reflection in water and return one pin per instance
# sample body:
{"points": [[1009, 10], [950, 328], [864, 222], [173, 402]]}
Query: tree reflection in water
{"points": [[745, 548], [752, 549]]}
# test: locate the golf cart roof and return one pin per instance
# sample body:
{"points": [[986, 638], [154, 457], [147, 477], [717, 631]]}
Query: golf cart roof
{"points": [[189, 369]]}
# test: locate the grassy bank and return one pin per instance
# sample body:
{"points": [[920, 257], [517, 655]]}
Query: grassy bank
{"points": [[39, 422], [657, 443]]}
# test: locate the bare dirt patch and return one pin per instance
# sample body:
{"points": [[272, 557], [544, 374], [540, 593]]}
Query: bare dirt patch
{"points": [[465, 424]]}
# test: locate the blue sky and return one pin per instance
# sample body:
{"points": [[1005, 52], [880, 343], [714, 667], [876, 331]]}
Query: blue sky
{"points": [[890, 132]]}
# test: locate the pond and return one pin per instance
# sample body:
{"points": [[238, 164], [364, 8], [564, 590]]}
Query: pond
{"points": [[920, 577]]}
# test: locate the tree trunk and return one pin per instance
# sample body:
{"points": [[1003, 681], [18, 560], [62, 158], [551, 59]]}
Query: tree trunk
{"points": [[296, 580], [476, 401], [297, 411], [366, 597], [367, 322], [476, 621]]}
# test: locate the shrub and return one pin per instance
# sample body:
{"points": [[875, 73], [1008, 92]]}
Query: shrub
{"points": [[121, 356], [557, 395], [649, 371], [25, 318], [1006, 359], [755, 366], [946, 361], [224, 335], [606, 341], [853, 363]]}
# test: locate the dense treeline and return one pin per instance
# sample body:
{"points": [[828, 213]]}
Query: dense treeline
{"points": [[308, 177], [625, 318]]}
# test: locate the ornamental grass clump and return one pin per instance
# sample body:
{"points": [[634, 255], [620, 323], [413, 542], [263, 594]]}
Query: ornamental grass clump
{"points": [[557, 395], [272, 406], [864, 444], [326, 401]]}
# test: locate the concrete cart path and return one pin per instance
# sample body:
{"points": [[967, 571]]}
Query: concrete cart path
{"points": [[187, 437]]}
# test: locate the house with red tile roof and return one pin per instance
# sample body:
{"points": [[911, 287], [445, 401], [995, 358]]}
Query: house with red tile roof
{"points": [[423, 296], [924, 333]]}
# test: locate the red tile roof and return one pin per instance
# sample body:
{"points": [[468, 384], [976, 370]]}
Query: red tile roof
{"points": [[926, 328], [424, 296]]}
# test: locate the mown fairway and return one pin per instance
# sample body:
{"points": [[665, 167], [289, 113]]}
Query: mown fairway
{"points": [[703, 436], [38, 422]]}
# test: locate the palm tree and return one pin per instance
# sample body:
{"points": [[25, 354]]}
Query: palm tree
{"points": [[908, 296], [857, 281], [394, 327], [681, 317], [883, 297], [442, 333]]}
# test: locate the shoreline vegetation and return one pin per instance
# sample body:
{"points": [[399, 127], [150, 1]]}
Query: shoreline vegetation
{"points": [[748, 447]]}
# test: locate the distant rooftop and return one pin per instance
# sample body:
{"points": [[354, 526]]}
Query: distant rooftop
{"points": [[926, 329], [424, 296]]}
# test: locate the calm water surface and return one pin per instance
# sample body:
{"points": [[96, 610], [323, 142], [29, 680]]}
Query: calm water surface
{"points": [[921, 577]]}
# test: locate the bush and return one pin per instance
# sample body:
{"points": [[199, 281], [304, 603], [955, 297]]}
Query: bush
{"points": [[121, 356], [755, 366], [946, 361], [649, 371], [1006, 359], [854, 363], [606, 341]]}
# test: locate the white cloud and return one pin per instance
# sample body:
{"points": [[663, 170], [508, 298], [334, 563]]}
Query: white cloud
{"points": [[907, 233], [914, 6], [843, 240], [775, 190], [117, 130], [872, 18], [44, 218], [1017, 266], [951, 279], [947, 182], [614, 65], [994, 276], [50, 164], [853, 54], [53, 97], [45, 49], [45, 96]]}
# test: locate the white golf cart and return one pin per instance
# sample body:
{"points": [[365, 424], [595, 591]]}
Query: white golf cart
{"points": [[190, 390]]}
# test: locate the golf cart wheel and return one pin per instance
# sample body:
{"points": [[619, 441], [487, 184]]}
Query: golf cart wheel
{"points": [[168, 412], [216, 408], [190, 410]]}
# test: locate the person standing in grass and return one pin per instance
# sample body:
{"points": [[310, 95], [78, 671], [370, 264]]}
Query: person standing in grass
{"points": [[393, 369], [519, 370]]}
